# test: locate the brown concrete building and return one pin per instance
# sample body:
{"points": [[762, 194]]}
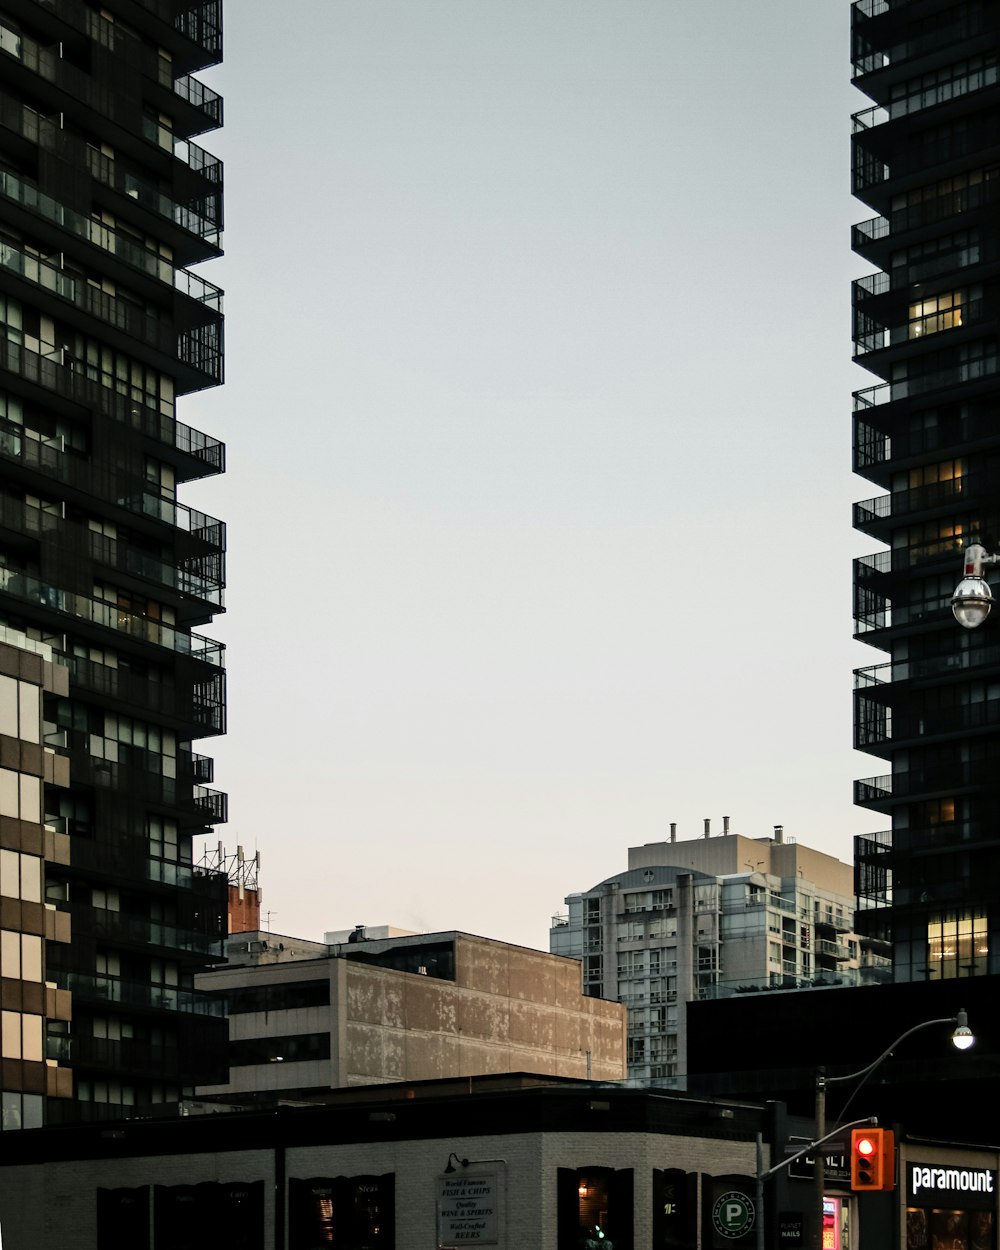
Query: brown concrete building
{"points": [[307, 1017], [34, 1015]]}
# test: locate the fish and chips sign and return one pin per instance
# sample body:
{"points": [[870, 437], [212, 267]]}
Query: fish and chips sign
{"points": [[468, 1210]]}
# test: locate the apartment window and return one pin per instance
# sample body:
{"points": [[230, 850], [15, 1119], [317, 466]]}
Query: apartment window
{"points": [[297, 1048], [20, 709], [286, 996], [163, 837], [957, 945], [936, 313], [20, 1110], [20, 956], [20, 795], [21, 876], [21, 1036]]}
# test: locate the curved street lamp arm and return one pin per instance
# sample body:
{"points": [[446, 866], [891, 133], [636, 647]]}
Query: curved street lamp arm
{"points": [[822, 1080]]}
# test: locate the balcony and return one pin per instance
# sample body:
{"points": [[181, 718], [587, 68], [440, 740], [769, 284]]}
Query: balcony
{"points": [[131, 253], [882, 726], [109, 616], [200, 455], [121, 929], [103, 989], [199, 703], [185, 577], [877, 515], [875, 791], [201, 217], [946, 665], [866, 236], [983, 367], [204, 103], [205, 807], [871, 336], [199, 525], [831, 950]]}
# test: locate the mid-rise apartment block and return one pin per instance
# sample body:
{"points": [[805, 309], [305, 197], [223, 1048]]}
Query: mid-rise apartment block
{"points": [[106, 202], [707, 918]]}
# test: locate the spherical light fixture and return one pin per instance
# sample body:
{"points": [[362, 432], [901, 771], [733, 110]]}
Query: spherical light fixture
{"points": [[971, 602], [963, 1037], [973, 598]]}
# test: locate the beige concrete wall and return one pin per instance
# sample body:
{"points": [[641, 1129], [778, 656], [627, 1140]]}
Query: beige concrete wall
{"points": [[509, 1010], [723, 856]]}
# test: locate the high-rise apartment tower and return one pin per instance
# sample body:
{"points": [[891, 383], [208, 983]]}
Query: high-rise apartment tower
{"points": [[105, 203], [927, 433]]}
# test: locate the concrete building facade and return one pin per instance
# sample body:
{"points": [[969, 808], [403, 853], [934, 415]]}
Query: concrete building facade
{"points": [[307, 1017], [31, 1006], [706, 918]]}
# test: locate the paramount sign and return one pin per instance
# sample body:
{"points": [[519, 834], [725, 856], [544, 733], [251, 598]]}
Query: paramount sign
{"points": [[951, 1180]]}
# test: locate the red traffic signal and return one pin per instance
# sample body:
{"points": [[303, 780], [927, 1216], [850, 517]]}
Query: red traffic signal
{"points": [[873, 1159]]}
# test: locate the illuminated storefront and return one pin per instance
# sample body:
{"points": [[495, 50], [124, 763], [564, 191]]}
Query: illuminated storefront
{"points": [[950, 1204]]}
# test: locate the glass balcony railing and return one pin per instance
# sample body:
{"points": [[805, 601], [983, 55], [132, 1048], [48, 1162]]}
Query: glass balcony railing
{"points": [[903, 503], [981, 188], [109, 616], [199, 525], [108, 989], [870, 336], [201, 217], [125, 249], [194, 578], [894, 671], [975, 74]]}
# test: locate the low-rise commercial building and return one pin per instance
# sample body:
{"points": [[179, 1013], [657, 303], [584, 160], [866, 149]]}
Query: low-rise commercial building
{"points": [[308, 1017]]}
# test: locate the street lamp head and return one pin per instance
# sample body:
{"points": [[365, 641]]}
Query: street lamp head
{"points": [[973, 598], [963, 1037], [971, 602]]}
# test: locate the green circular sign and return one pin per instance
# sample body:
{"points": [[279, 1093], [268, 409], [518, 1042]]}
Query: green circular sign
{"points": [[733, 1214]]}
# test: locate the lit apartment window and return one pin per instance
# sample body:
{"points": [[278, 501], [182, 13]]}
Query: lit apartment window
{"points": [[937, 313], [957, 944]]}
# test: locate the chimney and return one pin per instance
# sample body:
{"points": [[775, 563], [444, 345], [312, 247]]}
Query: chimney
{"points": [[779, 833], [673, 831], [725, 826], [708, 827]]}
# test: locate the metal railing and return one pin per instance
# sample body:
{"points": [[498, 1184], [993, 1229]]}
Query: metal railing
{"points": [[901, 503], [109, 616], [100, 235], [207, 529]]}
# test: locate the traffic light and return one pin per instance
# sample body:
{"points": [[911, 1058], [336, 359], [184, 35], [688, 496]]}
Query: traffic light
{"points": [[873, 1160]]}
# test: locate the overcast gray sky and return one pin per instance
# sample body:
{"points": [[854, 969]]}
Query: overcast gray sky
{"points": [[538, 416]]}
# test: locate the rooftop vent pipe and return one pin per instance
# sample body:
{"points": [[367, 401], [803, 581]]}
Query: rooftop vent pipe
{"points": [[708, 827], [725, 826], [779, 833], [673, 831]]}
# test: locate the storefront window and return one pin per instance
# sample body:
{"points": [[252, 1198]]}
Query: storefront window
{"points": [[944, 1230], [950, 1206], [342, 1212], [595, 1208]]}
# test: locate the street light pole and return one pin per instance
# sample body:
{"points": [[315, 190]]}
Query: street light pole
{"points": [[961, 1038], [763, 1175]]}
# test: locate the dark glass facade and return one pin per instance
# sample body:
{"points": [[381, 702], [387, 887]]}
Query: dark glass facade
{"points": [[105, 203], [926, 161]]}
